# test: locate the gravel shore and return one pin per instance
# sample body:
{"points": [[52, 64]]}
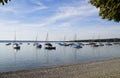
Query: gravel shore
{"points": [[99, 69]]}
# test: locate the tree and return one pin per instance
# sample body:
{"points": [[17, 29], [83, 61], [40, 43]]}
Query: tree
{"points": [[109, 9], [4, 1]]}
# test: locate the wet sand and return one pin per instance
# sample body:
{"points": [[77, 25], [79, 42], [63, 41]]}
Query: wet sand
{"points": [[99, 69]]}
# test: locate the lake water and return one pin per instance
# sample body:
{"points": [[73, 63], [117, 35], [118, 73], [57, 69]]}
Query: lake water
{"points": [[29, 57]]}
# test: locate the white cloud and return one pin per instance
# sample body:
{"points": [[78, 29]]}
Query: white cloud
{"points": [[64, 25], [22, 7], [80, 11], [70, 13], [39, 5], [66, 12], [14, 25]]}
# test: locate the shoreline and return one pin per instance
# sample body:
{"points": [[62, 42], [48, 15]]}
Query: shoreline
{"points": [[109, 68]]}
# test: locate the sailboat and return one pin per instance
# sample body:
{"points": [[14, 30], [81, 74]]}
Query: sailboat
{"points": [[77, 45], [37, 44], [8, 44], [116, 42], [28, 43], [16, 45], [108, 43], [72, 43], [100, 43], [63, 43], [48, 45], [93, 43]]}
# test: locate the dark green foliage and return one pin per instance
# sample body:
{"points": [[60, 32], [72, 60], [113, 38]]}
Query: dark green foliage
{"points": [[4, 1], [109, 9]]}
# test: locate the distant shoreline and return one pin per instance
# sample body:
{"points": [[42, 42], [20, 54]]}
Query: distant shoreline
{"points": [[98, 40], [98, 69], [85, 40]]}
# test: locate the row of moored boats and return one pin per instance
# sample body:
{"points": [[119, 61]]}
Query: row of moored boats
{"points": [[48, 46], [92, 44]]}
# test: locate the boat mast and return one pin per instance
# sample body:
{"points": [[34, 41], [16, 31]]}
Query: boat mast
{"points": [[47, 37], [36, 38], [64, 38], [15, 36], [99, 39], [75, 37]]}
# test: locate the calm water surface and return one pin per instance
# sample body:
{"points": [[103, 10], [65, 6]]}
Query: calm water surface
{"points": [[29, 57]]}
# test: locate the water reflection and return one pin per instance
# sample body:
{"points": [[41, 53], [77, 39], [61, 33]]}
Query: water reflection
{"points": [[16, 50], [75, 54], [15, 55]]}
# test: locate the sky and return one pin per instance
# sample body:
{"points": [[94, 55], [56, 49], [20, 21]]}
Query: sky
{"points": [[58, 18]]}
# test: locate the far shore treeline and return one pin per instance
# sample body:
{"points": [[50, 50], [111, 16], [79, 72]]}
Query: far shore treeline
{"points": [[98, 40], [85, 40]]}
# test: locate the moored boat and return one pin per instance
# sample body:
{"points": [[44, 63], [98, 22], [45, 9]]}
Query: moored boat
{"points": [[78, 46], [48, 45], [101, 44], [39, 46], [94, 45], [50, 48], [16, 46], [108, 44], [63, 44], [8, 44]]}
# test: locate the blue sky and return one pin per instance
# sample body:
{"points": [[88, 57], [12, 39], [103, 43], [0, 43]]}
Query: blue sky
{"points": [[57, 17]]}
